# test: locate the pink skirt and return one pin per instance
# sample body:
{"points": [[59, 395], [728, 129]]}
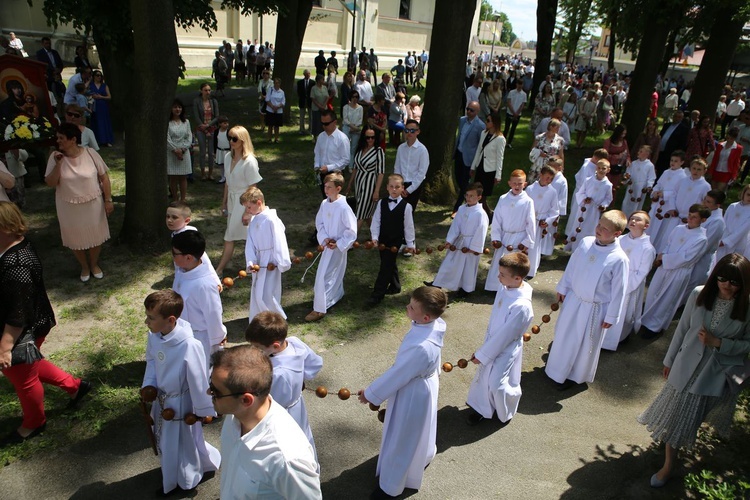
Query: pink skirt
{"points": [[82, 225]]}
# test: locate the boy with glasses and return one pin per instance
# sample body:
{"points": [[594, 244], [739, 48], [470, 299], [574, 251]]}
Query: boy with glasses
{"points": [[176, 367], [266, 453]]}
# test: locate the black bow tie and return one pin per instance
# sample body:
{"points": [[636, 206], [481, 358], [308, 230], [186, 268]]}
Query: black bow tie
{"points": [[391, 200]]}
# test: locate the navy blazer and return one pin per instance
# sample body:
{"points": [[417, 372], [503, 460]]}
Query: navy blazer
{"points": [[303, 92], [41, 56]]}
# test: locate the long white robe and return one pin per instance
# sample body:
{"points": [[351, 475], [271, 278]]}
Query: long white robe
{"points": [[513, 223], [737, 220], [176, 366], [578, 332], [684, 248], [659, 229], [497, 381], [642, 175], [411, 388], [199, 289], [335, 220], [600, 193], [468, 230], [641, 255], [688, 193], [547, 209], [291, 367], [266, 243], [587, 170], [560, 183], [714, 227]]}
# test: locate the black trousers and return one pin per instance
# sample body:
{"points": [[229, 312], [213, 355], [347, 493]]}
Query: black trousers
{"points": [[511, 122], [463, 174], [413, 198], [388, 273]]}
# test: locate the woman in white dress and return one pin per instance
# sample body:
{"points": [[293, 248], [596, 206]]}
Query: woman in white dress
{"points": [[241, 170], [179, 142]]}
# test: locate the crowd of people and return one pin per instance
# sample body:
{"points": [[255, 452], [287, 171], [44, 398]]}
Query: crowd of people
{"points": [[698, 255]]}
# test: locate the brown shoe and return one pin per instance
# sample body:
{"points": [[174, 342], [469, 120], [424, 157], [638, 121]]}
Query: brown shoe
{"points": [[314, 316]]}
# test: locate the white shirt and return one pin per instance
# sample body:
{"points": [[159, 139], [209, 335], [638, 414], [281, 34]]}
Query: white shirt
{"points": [[272, 461], [564, 131], [409, 233], [472, 94], [516, 98], [735, 107], [365, 91], [332, 151], [412, 163], [277, 98]]}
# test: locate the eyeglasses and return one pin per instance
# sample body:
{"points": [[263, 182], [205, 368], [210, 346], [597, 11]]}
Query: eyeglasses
{"points": [[215, 394], [73, 115], [233, 138], [722, 279], [325, 124], [471, 110], [368, 137], [411, 130]]}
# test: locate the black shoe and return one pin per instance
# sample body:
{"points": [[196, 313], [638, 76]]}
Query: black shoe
{"points": [[83, 389], [474, 417], [461, 293], [379, 494], [504, 424], [647, 334], [566, 385], [392, 291], [15, 438], [429, 283], [373, 301]]}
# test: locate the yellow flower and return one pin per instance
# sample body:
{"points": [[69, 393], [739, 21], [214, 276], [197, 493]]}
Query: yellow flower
{"points": [[24, 133], [21, 119]]}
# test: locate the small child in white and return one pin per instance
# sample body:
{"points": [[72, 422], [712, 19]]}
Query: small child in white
{"points": [[592, 292], [684, 247], [663, 200], [641, 254], [178, 217], [221, 145], [497, 382], [690, 191], [587, 170], [641, 179], [465, 243], [513, 224], [293, 363], [714, 227], [546, 210], [593, 198], [176, 366], [411, 388], [337, 230], [266, 244], [199, 287], [737, 220], [560, 183]]}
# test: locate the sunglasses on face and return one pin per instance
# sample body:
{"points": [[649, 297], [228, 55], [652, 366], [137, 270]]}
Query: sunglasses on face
{"points": [[411, 130], [470, 110], [73, 115], [722, 279], [325, 124], [233, 138], [214, 393]]}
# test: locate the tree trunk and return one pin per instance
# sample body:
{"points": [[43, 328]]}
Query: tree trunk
{"points": [[650, 52], [153, 79], [291, 24], [613, 15], [546, 12], [720, 48], [438, 125], [669, 51]]}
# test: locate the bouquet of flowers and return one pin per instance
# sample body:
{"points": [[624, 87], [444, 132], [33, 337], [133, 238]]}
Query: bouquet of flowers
{"points": [[24, 130]]}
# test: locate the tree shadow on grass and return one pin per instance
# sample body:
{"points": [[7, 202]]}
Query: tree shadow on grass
{"points": [[623, 474]]}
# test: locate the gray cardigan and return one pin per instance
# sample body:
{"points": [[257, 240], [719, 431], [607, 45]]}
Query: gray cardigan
{"points": [[686, 350], [198, 111]]}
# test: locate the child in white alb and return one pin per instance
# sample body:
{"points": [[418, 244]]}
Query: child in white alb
{"points": [[546, 211], [641, 177], [593, 198]]}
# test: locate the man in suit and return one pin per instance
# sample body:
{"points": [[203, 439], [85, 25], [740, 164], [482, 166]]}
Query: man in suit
{"points": [[303, 93], [470, 128], [52, 58], [387, 90], [674, 136]]}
